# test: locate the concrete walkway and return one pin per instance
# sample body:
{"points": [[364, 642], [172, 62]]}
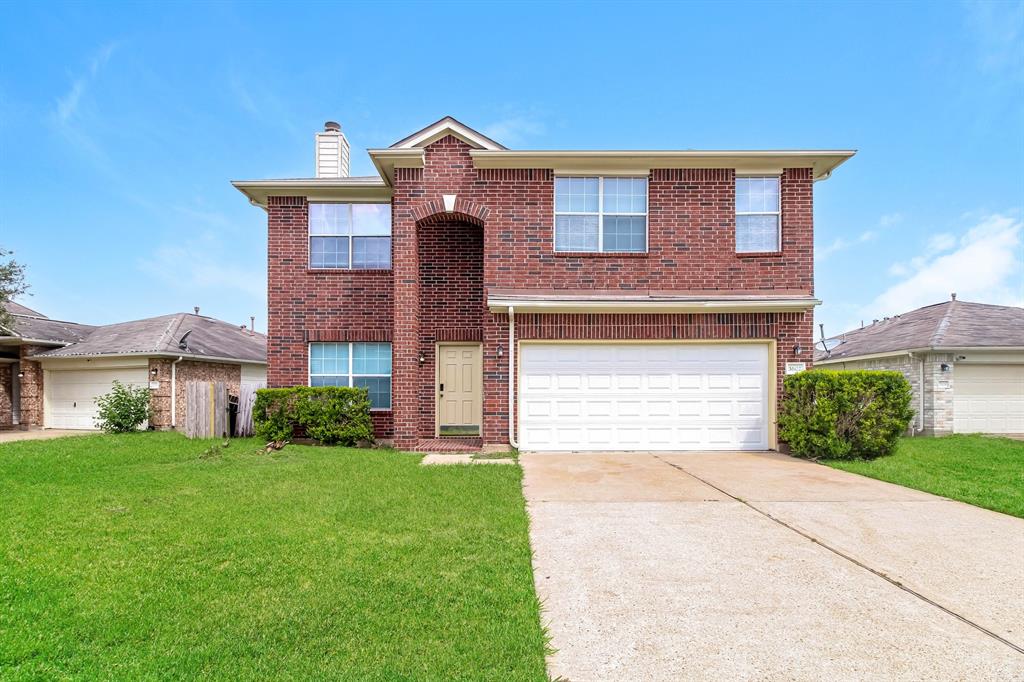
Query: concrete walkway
{"points": [[714, 566], [40, 434]]}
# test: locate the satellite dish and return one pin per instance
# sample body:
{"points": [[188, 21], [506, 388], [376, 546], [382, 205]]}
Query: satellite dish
{"points": [[828, 344]]}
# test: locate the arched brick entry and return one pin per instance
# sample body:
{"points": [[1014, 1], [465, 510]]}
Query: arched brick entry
{"points": [[438, 297], [433, 211]]}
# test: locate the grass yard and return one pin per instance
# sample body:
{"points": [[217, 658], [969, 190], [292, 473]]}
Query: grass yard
{"points": [[980, 470], [142, 557]]}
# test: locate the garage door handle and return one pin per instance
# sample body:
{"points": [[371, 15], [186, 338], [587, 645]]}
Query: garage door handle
{"points": [[74, 404]]}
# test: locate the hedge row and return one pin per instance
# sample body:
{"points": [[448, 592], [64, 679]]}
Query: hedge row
{"points": [[844, 414], [333, 415]]}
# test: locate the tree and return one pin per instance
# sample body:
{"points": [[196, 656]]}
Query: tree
{"points": [[12, 284]]}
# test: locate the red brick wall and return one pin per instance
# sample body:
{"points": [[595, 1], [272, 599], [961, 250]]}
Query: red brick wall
{"points": [[317, 305], [691, 229], [692, 247]]}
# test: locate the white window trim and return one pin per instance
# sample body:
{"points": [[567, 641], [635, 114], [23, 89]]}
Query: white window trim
{"points": [[350, 237], [778, 213], [600, 213], [351, 364]]}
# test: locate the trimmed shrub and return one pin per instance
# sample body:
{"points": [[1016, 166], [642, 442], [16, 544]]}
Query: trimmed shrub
{"points": [[830, 414], [124, 409], [332, 415]]}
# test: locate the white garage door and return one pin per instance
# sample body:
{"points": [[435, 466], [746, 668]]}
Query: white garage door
{"points": [[988, 398], [636, 396], [71, 394]]}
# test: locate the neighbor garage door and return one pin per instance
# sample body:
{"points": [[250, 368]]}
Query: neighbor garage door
{"points": [[71, 394], [988, 398], [643, 396]]}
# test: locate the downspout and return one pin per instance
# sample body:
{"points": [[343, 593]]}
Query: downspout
{"points": [[920, 392], [174, 391], [511, 377]]}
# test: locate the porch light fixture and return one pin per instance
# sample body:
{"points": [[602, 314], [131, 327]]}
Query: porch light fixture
{"points": [[501, 350], [21, 375], [944, 367], [153, 371], [422, 359], [798, 349]]}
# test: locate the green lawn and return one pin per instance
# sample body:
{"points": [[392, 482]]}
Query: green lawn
{"points": [[142, 557], [980, 470]]}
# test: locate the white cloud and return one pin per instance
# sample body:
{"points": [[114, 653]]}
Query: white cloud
{"points": [[202, 267], [998, 29], [514, 130], [840, 244], [890, 219], [67, 106], [984, 265]]}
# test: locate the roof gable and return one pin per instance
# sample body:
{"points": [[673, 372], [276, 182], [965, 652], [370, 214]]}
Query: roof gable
{"points": [[951, 324], [447, 126]]}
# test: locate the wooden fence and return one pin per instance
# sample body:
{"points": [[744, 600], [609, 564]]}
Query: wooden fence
{"points": [[206, 409], [246, 400]]}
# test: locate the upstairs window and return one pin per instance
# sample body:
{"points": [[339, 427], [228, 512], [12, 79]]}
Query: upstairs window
{"points": [[364, 365], [757, 215], [601, 215], [350, 236]]}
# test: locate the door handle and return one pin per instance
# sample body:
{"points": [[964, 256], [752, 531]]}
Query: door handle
{"points": [[442, 388]]}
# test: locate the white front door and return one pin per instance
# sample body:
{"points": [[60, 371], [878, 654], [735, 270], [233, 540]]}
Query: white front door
{"points": [[988, 398], [644, 396], [70, 395]]}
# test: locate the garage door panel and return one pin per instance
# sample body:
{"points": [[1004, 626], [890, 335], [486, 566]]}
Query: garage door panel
{"points": [[70, 395], [988, 398], [643, 396]]}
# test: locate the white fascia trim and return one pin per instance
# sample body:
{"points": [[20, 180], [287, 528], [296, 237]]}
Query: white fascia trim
{"points": [[822, 162], [370, 190], [498, 305], [923, 349], [387, 160], [446, 127], [870, 356], [146, 354]]}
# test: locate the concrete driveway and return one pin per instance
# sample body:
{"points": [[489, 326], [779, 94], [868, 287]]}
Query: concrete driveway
{"points": [[715, 566], [10, 436]]}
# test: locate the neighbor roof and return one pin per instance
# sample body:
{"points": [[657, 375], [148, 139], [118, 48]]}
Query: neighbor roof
{"points": [[193, 336], [949, 325], [30, 325]]}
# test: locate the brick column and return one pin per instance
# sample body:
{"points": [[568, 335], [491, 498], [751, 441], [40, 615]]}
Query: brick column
{"points": [[6, 398], [406, 371], [31, 388]]}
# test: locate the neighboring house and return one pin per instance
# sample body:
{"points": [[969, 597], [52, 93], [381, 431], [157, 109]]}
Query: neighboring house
{"points": [[51, 372], [639, 300], [964, 361]]}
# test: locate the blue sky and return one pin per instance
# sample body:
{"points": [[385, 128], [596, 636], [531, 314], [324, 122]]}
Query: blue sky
{"points": [[121, 125]]}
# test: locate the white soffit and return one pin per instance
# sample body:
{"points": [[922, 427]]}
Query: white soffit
{"points": [[638, 162], [500, 304]]}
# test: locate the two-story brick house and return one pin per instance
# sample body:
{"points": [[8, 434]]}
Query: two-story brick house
{"points": [[640, 300]]}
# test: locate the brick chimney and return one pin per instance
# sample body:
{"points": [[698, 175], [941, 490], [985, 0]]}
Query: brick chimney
{"points": [[332, 152]]}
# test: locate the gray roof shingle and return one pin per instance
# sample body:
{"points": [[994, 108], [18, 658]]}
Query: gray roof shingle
{"points": [[166, 334], [34, 326], [951, 324]]}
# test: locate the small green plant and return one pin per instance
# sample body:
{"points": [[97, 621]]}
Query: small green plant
{"points": [[844, 415], [124, 409], [332, 415]]}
